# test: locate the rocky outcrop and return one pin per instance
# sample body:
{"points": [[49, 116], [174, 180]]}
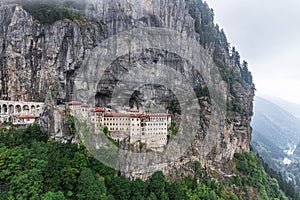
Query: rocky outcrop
{"points": [[48, 62]]}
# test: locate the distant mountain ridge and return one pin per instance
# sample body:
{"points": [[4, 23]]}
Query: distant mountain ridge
{"points": [[291, 107], [276, 134], [275, 123]]}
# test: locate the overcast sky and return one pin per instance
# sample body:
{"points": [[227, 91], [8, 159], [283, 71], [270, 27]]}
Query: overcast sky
{"points": [[267, 35]]}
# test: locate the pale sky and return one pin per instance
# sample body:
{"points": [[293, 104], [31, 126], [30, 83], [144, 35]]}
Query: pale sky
{"points": [[267, 35]]}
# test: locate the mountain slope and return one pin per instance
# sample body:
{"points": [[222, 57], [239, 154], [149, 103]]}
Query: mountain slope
{"points": [[276, 137], [276, 124], [41, 58], [291, 107], [65, 171]]}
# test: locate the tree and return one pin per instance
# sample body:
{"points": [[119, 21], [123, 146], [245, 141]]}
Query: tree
{"points": [[152, 196], [89, 186], [119, 187], [138, 189], [157, 184], [105, 130], [177, 190], [69, 179], [235, 56], [198, 169], [79, 160], [71, 124], [34, 132], [53, 196], [27, 184], [246, 75], [48, 12]]}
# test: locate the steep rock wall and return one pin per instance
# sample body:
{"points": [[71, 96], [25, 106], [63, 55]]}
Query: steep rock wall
{"points": [[40, 63]]}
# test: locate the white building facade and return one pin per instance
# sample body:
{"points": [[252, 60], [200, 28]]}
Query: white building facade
{"points": [[150, 129], [19, 112]]}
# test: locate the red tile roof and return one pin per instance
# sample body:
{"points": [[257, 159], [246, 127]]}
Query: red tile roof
{"points": [[85, 105], [117, 115], [154, 115], [98, 110], [27, 117], [74, 103], [136, 115]]}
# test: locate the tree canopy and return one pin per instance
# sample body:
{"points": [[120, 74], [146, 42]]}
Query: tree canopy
{"points": [[34, 167]]}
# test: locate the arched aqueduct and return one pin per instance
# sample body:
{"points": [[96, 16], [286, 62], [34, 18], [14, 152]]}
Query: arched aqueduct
{"points": [[15, 108]]}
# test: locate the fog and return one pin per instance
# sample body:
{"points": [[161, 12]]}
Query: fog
{"points": [[266, 33]]}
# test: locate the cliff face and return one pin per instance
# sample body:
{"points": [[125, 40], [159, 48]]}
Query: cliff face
{"points": [[44, 62], [36, 59]]}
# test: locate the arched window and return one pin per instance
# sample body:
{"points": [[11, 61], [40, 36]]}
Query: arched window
{"points": [[18, 109], [32, 109], [37, 108], [11, 109], [26, 109], [4, 106]]}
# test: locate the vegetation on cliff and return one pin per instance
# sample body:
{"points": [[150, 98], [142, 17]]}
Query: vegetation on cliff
{"points": [[48, 12], [33, 167], [232, 69], [227, 58], [255, 173]]}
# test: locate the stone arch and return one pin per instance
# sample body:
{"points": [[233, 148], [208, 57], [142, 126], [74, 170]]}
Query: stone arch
{"points": [[18, 109], [32, 109], [38, 109], [26, 109], [11, 109], [4, 108]]}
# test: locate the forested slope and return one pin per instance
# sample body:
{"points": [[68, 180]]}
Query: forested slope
{"points": [[33, 167]]}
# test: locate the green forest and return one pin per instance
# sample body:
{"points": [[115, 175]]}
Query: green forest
{"points": [[213, 38], [34, 167], [50, 11]]}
